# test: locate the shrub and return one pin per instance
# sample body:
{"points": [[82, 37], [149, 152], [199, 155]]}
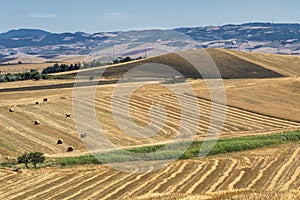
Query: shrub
{"points": [[81, 160], [31, 75], [37, 77]]}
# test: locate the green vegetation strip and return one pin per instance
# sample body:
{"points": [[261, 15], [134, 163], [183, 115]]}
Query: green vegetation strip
{"points": [[175, 150], [31, 75]]}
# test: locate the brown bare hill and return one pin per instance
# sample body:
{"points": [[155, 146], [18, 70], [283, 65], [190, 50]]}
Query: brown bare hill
{"points": [[287, 65], [231, 64]]}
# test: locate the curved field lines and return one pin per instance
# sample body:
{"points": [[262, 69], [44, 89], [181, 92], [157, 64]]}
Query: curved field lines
{"points": [[225, 175], [193, 187], [61, 190], [153, 180], [255, 172], [18, 132], [237, 121], [206, 176], [23, 135], [164, 181], [282, 172]]}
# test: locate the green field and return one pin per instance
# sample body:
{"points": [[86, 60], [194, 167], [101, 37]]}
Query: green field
{"points": [[175, 150]]}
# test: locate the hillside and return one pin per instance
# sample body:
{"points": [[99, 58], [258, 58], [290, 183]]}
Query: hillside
{"points": [[231, 65], [286, 65], [38, 45], [262, 95], [263, 112]]}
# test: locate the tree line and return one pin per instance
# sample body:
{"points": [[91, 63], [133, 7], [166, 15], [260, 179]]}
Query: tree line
{"points": [[61, 68], [76, 66], [125, 59], [33, 74]]}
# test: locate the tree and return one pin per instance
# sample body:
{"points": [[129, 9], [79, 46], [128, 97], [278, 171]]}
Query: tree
{"points": [[24, 159], [36, 157]]}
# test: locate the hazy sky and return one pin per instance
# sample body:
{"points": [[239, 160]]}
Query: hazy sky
{"points": [[110, 15]]}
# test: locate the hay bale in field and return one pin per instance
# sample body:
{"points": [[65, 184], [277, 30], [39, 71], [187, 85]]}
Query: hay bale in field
{"points": [[82, 135], [37, 122], [70, 149], [37, 103], [45, 99], [68, 114], [59, 141], [11, 110]]}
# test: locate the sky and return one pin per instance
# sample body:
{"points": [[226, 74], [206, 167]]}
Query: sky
{"points": [[93, 16]]}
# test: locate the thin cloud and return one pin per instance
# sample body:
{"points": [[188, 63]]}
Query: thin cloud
{"points": [[114, 16], [42, 15]]}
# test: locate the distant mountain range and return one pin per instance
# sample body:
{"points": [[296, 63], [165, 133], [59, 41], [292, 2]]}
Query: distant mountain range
{"points": [[31, 45]]}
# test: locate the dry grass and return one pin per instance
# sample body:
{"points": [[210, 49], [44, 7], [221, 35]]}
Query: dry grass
{"points": [[257, 106], [246, 94], [273, 97], [230, 195], [256, 195], [286, 65], [100, 182], [231, 64], [18, 134], [33, 83], [19, 68]]}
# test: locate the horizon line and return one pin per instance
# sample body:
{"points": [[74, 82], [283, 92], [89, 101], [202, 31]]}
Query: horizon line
{"points": [[150, 28]]}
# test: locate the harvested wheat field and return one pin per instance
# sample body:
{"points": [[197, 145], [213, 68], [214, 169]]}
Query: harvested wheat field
{"points": [[262, 97], [257, 174], [19, 134]]}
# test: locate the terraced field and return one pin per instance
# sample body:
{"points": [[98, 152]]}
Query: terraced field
{"points": [[275, 169]]}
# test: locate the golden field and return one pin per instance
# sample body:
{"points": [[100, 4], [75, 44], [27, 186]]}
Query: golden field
{"points": [[262, 96]]}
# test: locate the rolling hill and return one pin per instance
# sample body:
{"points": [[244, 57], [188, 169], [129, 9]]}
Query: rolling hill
{"points": [[250, 109], [231, 65], [39, 45], [262, 94]]}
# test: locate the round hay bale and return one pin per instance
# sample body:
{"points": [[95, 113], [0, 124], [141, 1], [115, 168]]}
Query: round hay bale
{"points": [[11, 110], [70, 149], [37, 122], [45, 99], [37, 103], [82, 135], [59, 141], [68, 114]]}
